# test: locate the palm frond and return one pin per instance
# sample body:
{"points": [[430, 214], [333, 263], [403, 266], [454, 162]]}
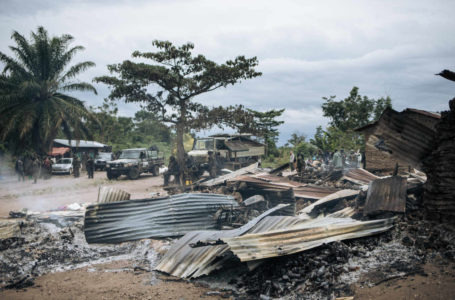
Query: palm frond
{"points": [[79, 86]]}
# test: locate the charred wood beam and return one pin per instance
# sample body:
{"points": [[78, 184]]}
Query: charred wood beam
{"points": [[447, 75]]}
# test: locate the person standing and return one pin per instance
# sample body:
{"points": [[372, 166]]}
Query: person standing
{"points": [[20, 169], [76, 166], [337, 160], [47, 164], [90, 167], [300, 164], [292, 160], [172, 169], [35, 169]]}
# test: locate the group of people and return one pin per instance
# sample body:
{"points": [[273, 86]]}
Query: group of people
{"points": [[37, 167], [89, 164], [326, 160], [34, 166], [192, 171]]}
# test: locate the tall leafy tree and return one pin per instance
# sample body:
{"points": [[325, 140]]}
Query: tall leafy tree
{"points": [[171, 82], [34, 104], [346, 115], [266, 124]]}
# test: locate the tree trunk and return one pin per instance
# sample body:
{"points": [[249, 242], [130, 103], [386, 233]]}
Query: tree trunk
{"points": [[180, 131]]}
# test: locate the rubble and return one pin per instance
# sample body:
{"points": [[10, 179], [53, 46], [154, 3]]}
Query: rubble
{"points": [[439, 197], [45, 246]]}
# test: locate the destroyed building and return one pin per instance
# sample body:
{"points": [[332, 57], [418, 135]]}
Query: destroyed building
{"points": [[404, 138], [439, 195]]}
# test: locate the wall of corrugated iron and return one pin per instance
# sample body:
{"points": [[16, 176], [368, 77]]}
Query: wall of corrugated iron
{"points": [[115, 222]]}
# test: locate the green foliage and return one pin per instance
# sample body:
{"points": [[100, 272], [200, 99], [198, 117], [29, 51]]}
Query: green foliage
{"points": [[170, 83], [144, 130], [34, 106], [346, 115], [265, 124]]}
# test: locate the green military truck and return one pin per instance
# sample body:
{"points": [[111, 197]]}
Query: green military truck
{"points": [[235, 150], [134, 162]]}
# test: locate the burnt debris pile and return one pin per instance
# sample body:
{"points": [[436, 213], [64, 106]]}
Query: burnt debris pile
{"points": [[254, 231], [37, 246]]}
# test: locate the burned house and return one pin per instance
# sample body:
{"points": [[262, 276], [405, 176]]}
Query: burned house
{"points": [[404, 138], [439, 195]]}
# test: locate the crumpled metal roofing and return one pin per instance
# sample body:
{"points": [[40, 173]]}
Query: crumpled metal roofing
{"points": [[273, 182], [343, 194], [221, 179], [301, 237], [115, 222], [359, 176], [181, 260]]}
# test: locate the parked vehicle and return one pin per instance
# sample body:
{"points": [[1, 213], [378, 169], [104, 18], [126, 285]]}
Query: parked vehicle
{"points": [[133, 162], [101, 159], [63, 166], [236, 151]]}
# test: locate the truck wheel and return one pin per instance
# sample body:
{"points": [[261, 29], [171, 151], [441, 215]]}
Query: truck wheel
{"points": [[156, 170], [109, 175], [133, 173]]}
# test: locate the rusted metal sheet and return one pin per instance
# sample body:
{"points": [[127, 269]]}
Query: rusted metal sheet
{"points": [[221, 179], [115, 222], [111, 194], [330, 199], [181, 260], [359, 176], [272, 182], [301, 237], [387, 194]]}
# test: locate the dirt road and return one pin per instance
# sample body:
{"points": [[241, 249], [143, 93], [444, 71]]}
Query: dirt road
{"points": [[62, 190]]}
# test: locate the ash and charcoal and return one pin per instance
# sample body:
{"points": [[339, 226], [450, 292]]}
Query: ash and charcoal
{"points": [[44, 247]]}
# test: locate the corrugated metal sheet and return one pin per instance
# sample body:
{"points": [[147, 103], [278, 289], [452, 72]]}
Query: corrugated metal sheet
{"points": [[301, 237], [183, 261], [221, 179], [111, 194], [272, 182], [343, 194], [359, 176], [387, 194], [79, 143], [176, 215]]}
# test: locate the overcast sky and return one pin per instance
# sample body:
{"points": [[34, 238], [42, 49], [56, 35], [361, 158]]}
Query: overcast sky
{"points": [[306, 49]]}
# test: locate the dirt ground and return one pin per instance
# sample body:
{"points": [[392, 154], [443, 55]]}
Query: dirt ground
{"points": [[115, 280], [62, 190], [119, 280]]}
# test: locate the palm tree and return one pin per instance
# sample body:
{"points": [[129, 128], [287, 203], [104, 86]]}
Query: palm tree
{"points": [[34, 107]]}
